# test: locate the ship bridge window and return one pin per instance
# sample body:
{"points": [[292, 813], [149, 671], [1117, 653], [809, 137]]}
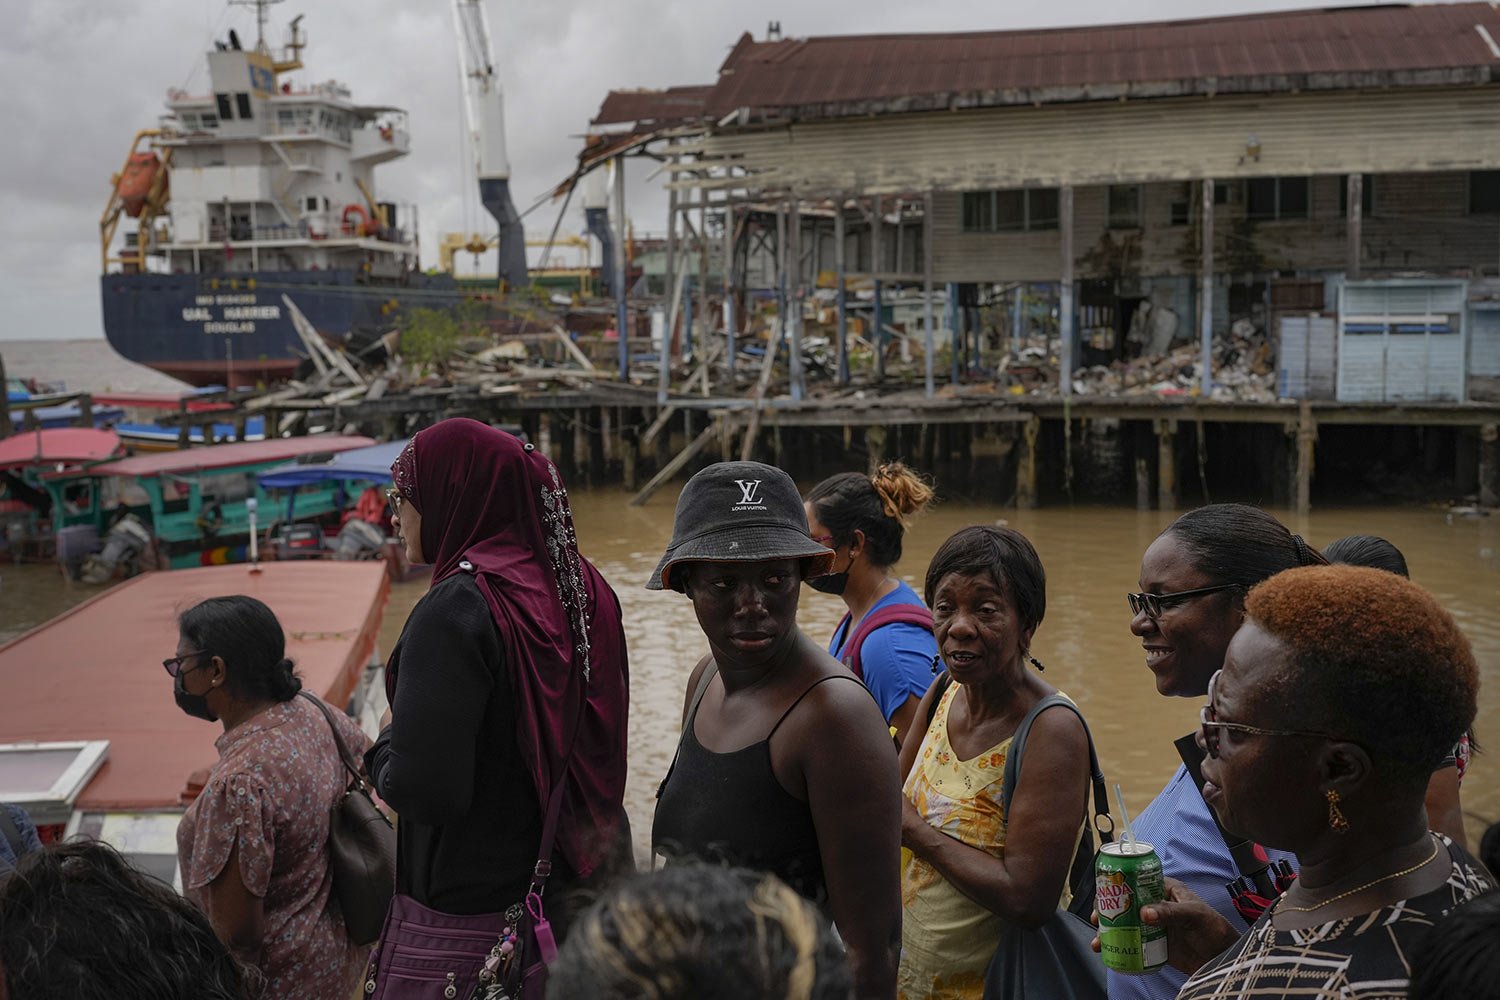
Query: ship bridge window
{"points": [[189, 120], [242, 101], [226, 110], [312, 203], [209, 120]]}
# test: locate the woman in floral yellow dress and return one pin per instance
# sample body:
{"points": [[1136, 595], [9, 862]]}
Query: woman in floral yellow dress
{"points": [[971, 868]]}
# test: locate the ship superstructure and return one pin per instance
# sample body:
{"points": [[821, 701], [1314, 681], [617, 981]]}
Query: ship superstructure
{"points": [[259, 191]]}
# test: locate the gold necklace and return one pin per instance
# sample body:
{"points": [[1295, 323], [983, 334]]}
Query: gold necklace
{"points": [[1436, 844]]}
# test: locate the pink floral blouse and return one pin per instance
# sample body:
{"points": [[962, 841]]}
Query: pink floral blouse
{"points": [[277, 777]]}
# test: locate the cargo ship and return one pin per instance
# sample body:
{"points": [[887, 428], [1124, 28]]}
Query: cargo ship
{"points": [[249, 204]]}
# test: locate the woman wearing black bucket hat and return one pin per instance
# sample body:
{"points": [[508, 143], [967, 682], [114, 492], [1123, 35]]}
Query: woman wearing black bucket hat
{"points": [[777, 770]]}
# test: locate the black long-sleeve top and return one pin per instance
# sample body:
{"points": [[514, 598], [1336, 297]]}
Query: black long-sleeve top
{"points": [[468, 816]]}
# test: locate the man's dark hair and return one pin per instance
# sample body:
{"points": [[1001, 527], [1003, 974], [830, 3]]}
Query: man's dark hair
{"points": [[1457, 957], [77, 922]]}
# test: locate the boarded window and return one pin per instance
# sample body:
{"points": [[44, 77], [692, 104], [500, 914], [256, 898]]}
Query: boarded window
{"points": [[242, 102], [979, 211], [1484, 192], [1010, 211], [226, 108], [1013, 211], [1270, 198], [1366, 195], [1124, 206]]}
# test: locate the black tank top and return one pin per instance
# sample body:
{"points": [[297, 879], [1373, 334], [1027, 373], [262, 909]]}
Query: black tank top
{"points": [[728, 808]]}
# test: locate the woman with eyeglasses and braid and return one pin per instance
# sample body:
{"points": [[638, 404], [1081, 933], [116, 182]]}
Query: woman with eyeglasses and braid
{"points": [[1193, 582], [1321, 731]]}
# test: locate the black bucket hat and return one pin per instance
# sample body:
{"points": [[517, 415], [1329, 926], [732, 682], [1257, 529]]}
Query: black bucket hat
{"points": [[739, 512]]}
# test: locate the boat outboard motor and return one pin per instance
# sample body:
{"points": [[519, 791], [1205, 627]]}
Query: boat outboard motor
{"points": [[358, 539], [123, 546]]}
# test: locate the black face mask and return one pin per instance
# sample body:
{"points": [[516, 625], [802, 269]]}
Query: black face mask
{"points": [[831, 583], [195, 705]]}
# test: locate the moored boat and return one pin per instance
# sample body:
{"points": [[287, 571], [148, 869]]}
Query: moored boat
{"points": [[25, 505], [108, 753], [193, 502]]}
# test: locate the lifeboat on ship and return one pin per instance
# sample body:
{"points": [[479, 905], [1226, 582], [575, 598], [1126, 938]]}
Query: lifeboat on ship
{"points": [[134, 185]]}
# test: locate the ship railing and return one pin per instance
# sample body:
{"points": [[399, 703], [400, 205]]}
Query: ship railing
{"points": [[319, 227]]}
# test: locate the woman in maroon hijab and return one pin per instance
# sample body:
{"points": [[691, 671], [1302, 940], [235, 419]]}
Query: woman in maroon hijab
{"points": [[486, 680]]}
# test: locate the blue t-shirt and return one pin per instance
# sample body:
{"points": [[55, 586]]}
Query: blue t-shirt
{"points": [[29, 840], [896, 658], [1179, 825]]}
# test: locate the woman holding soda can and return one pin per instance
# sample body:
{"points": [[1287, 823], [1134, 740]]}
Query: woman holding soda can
{"points": [[1194, 578]]}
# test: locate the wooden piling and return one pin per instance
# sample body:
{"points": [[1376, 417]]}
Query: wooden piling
{"points": [[875, 437], [184, 429], [1142, 484], [1166, 464], [1489, 465], [595, 424], [1307, 436], [1026, 492], [85, 410]]}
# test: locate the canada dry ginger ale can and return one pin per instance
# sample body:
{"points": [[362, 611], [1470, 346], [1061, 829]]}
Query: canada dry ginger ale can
{"points": [[1126, 878]]}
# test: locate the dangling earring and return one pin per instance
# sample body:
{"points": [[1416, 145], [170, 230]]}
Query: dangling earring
{"points": [[1336, 821], [1033, 660], [937, 658]]}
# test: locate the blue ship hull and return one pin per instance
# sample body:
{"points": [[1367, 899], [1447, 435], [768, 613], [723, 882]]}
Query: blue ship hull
{"points": [[209, 329]]}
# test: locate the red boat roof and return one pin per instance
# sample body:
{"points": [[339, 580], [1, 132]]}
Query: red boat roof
{"points": [[94, 672], [219, 456], [58, 445]]}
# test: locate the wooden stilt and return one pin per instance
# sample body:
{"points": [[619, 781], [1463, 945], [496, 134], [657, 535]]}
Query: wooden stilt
{"points": [[675, 466], [1489, 465], [1307, 437], [1166, 464], [1142, 484], [1026, 492]]}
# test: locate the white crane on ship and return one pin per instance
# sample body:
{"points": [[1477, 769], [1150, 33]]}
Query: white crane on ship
{"points": [[484, 112]]}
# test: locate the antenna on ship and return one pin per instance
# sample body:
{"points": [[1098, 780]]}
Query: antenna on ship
{"points": [[262, 15]]}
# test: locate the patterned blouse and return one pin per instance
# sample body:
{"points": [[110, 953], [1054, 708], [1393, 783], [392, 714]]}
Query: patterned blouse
{"points": [[277, 777], [947, 939], [1356, 958]]}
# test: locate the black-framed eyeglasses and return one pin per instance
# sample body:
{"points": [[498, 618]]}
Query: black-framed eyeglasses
{"points": [[393, 497], [173, 664], [1208, 721], [1153, 604]]}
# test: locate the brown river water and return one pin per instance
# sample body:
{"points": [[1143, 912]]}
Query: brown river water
{"points": [[1092, 559]]}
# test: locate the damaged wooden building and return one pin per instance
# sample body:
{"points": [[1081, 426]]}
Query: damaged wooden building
{"points": [[1328, 178]]}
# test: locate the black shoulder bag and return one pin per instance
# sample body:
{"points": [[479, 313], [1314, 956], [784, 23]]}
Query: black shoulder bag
{"points": [[361, 848], [1054, 960]]}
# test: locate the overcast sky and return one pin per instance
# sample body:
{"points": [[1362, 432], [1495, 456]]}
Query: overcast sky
{"points": [[82, 75]]}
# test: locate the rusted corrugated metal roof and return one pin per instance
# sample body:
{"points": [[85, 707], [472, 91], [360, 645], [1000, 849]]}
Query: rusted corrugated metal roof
{"points": [[675, 104], [1308, 50]]}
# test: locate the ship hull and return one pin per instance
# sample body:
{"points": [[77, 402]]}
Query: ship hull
{"points": [[236, 328]]}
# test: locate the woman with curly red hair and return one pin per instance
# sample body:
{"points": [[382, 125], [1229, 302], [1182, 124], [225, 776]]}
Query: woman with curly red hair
{"points": [[1338, 696]]}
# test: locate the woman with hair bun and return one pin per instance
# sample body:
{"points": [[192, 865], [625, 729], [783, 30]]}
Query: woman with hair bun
{"points": [[253, 847], [886, 638]]}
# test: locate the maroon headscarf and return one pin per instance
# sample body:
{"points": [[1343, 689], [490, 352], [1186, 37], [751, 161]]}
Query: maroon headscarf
{"points": [[499, 505]]}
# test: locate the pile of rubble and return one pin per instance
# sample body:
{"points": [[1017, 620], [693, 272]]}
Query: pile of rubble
{"points": [[1244, 371]]}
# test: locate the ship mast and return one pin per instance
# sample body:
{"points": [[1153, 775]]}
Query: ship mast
{"points": [[262, 15]]}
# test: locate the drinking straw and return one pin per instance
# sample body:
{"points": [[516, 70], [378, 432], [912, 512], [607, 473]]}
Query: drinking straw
{"points": [[1127, 838]]}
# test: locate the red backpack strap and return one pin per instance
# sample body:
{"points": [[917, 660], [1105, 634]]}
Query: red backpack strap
{"points": [[891, 614]]}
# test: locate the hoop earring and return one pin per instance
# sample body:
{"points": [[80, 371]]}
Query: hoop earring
{"points": [[1336, 819]]}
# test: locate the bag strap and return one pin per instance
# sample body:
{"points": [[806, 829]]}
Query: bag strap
{"points": [[891, 614], [338, 740], [1241, 850], [940, 688], [1096, 774]]}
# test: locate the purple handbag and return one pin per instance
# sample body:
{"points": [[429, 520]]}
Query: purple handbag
{"points": [[424, 954]]}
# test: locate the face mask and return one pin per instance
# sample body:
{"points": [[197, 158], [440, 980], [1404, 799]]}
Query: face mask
{"points": [[832, 583], [195, 705]]}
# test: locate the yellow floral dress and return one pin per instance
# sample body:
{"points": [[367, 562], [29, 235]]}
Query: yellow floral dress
{"points": [[947, 939]]}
